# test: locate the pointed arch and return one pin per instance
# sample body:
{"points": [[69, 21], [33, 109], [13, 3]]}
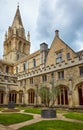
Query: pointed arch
{"points": [[63, 95], [79, 89], [31, 96], [13, 96], [20, 96], [1, 96]]}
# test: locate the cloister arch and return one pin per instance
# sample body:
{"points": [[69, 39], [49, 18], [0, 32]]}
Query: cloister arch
{"points": [[31, 96], [20, 96], [1, 96], [79, 88], [13, 96], [63, 95]]}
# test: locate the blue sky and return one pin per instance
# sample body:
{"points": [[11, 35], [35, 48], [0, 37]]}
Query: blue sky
{"points": [[42, 18]]}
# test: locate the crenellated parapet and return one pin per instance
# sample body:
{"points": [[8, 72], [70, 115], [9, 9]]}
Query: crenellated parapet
{"points": [[59, 66]]}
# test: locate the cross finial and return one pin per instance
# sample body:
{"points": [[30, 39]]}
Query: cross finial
{"points": [[18, 4]]}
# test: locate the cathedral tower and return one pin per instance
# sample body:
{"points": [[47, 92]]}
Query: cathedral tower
{"points": [[16, 45]]}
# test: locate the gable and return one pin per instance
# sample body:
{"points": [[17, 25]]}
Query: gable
{"points": [[58, 46]]}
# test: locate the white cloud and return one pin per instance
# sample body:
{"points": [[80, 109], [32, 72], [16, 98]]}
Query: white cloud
{"points": [[78, 42]]}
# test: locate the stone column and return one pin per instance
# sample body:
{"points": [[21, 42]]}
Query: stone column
{"points": [[35, 100], [64, 96], [76, 97], [60, 97], [26, 97], [39, 100], [70, 93], [36, 95], [5, 98], [24, 91], [17, 101], [6, 95]]}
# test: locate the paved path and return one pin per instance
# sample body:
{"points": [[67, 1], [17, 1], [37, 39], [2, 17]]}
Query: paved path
{"points": [[5, 128], [37, 118]]}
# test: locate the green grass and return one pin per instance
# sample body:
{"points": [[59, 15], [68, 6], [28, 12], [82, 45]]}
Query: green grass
{"points": [[53, 125], [60, 111], [12, 118], [30, 110], [37, 110], [33, 110], [1, 108], [21, 108], [74, 115]]}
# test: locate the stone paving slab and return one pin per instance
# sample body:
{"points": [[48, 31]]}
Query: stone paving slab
{"points": [[5, 128]]}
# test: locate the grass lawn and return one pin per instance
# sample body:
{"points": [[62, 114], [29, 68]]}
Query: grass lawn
{"points": [[21, 108], [53, 125], [12, 118], [33, 110], [37, 110], [30, 110], [60, 111], [1, 108], [74, 115]]}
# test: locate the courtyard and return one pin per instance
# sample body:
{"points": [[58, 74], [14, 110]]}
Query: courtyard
{"points": [[29, 118]]}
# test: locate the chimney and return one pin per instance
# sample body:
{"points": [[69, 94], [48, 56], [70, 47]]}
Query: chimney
{"points": [[57, 33]]}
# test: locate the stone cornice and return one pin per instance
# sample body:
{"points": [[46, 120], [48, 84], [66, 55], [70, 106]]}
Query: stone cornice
{"points": [[7, 83], [9, 75]]}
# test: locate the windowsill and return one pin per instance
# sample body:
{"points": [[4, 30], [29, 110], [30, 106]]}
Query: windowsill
{"points": [[68, 58], [44, 81], [60, 62], [61, 79]]}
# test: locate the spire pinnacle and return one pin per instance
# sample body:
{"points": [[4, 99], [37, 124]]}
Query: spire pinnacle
{"points": [[28, 36], [17, 26], [17, 22]]}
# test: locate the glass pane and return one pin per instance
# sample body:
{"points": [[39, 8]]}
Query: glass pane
{"points": [[81, 71]]}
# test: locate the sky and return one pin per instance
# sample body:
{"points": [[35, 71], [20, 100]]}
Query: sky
{"points": [[42, 18]]}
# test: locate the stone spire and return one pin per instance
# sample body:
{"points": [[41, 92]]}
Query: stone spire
{"points": [[17, 26], [17, 22]]}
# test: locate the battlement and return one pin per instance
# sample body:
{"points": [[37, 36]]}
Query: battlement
{"points": [[59, 66]]}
